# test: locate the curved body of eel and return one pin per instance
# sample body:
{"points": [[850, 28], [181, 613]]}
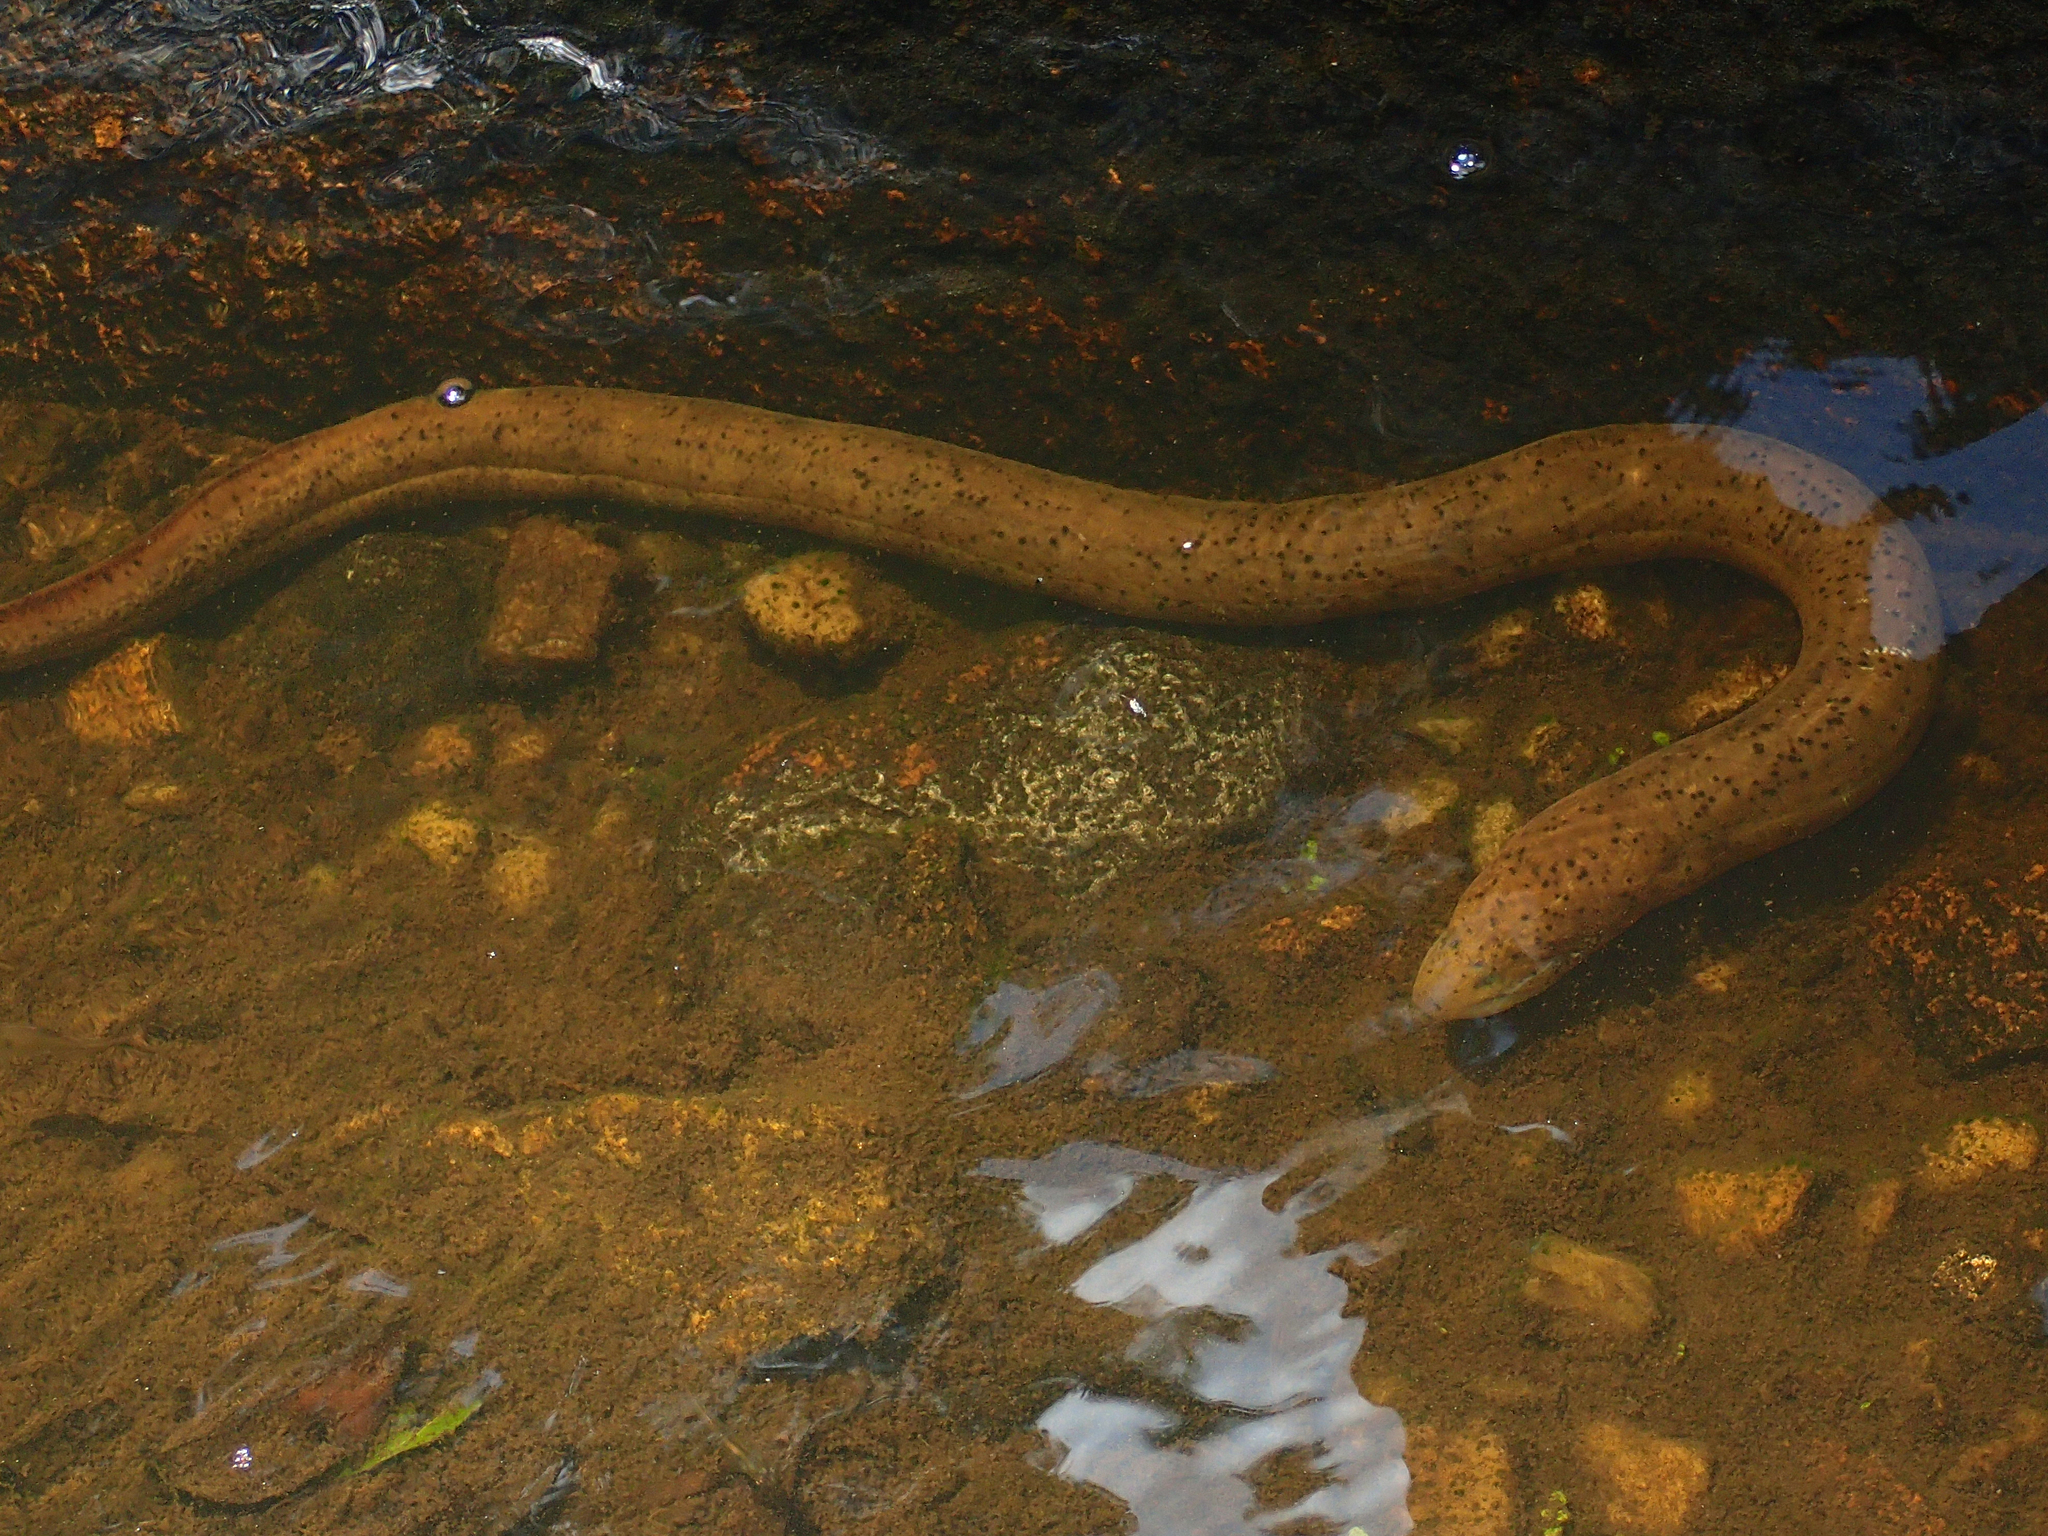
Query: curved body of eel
{"points": [[1572, 878]]}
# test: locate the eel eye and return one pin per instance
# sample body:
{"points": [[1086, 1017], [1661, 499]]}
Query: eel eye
{"points": [[454, 391]]}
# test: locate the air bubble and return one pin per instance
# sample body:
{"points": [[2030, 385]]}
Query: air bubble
{"points": [[1467, 159]]}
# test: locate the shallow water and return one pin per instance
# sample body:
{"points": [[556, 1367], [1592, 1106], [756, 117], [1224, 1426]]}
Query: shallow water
{"points": [[976, 1091]]}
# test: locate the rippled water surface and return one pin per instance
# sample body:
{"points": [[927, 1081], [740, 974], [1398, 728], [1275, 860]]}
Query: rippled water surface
{"points": [[646, 1081]]}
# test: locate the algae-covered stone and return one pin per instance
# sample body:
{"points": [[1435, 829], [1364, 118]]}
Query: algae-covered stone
{"points": [[1502, 642], [1876, 1207], [441, 749], [1140, 745], [1416, 804], [1976, 1149], [158, 797], [1743, 1213], [1608, 1293], [1147, 744], [1646, 1483], [554, 593], [519, 877], [1687, 1096], [1587, 612], [1451, 735], [1492, 825], [447, 840], [1970, 1276], [1462, 1482]]}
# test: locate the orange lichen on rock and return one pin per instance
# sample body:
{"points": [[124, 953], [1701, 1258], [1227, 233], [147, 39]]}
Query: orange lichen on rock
{"points": [[1970, 964], [1283, 938]]}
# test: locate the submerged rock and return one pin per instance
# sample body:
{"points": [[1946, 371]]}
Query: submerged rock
{"points": [[1607, 1293], [1648, 1484], [1147, 744], [375, 640], [1976, 1149], [820, 607], [1492, 825], [126, 700], [447, 839], [1877, 1207], [554, 593], [1463, 1483], [1743, 1213]]}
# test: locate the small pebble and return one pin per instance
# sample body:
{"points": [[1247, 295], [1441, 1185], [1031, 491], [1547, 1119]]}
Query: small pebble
{"points": [[1416, 805], [1715, 977], [158, 797], [1492, 825], [1607, 1292], [126, 700], [1502, 642], [447, 840], [1463, 1480], [520, 877], [440, 749], [1743, 1213], [1647, 1483], [1967, 1275], [554, 594], [1687, 1096], [817, 607], [1877, 1207], [1976, 1149], [1451, 735], [1587, 612]]}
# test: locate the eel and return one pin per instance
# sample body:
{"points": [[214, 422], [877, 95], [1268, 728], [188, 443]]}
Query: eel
{"points": [[1825, 739]]}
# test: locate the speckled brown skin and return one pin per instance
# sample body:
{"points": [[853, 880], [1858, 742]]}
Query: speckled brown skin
{"points": [[1567, 882]]}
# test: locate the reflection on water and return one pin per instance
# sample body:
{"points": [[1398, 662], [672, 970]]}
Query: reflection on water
{"points": [[1977, 509], [1039, 1028], [1235, 1318], [1317, 850]]}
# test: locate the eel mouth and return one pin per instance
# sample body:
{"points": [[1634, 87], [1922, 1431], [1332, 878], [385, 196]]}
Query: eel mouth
{"points": [[1450, 985]]}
